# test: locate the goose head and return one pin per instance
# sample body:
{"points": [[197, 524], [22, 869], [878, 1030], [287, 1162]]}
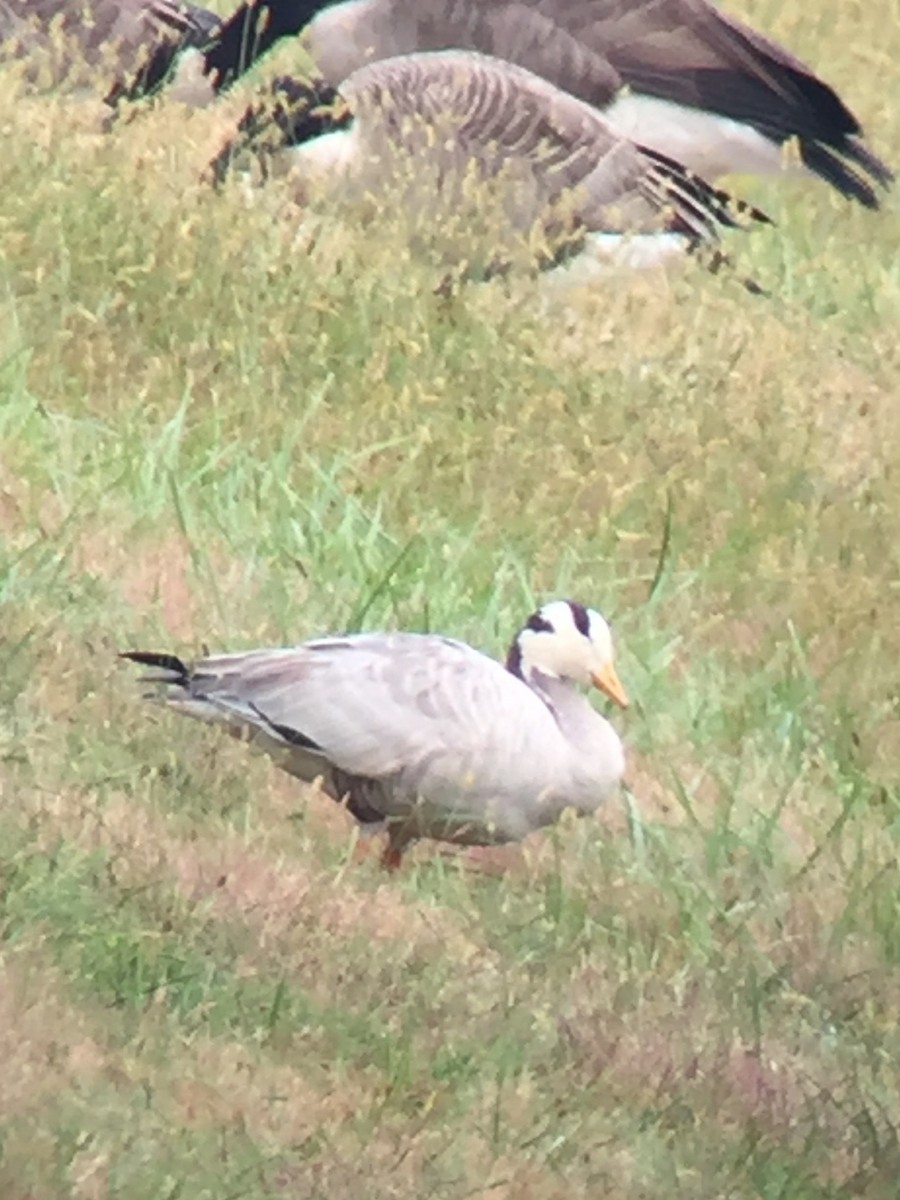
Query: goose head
{"points": [[564, 640]]}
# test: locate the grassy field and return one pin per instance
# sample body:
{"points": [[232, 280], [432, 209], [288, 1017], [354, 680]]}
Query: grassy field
{"points": [[209, 437]]}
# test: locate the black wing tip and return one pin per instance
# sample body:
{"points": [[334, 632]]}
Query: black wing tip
{"points": [[700, 202], [826, 162], [739, 211], [160, 660], [845, 165], [832, 132]]}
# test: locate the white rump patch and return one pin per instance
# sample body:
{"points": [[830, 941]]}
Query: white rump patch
{"points": [[705, 143], [605, 254], [329, 156]]}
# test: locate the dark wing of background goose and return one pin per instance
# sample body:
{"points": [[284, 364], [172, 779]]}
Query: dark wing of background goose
{"points": [[691, 54], [127, 46], [678, 76]]}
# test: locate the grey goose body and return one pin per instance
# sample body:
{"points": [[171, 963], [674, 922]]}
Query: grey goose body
{"points": [[421, 733], [464, 142], [678, 76]]}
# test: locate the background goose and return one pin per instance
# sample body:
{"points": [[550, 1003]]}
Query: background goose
{"points": [[678, 76], [422, 733], [436, 125], [136, 42]]}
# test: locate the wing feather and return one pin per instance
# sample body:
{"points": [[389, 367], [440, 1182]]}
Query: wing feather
{"points": [[550, 145], [422, 709], [690, 52]]}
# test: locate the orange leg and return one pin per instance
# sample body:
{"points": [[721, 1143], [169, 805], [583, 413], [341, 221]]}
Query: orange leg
{"points": [[392, 857]]}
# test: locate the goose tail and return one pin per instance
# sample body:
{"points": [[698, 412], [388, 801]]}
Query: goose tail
{"points": [[848, 167], [174, 684], [166, 669]]}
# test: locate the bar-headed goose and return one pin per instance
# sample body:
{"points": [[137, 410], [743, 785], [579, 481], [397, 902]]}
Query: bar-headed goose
{"points": [[465, 147], [678, 76], [421, 733], [130, 46]]}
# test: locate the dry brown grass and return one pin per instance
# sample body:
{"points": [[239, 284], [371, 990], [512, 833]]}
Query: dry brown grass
{"points": [[215, 433]]}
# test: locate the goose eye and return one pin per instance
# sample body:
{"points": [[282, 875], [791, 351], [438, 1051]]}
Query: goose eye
{"points": [[538, 623]]}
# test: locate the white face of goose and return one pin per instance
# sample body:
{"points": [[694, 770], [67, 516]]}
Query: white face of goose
{"points": [[564, 640]]}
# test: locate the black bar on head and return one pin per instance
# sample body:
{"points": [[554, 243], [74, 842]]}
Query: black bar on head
{"points": [[580, 618]]}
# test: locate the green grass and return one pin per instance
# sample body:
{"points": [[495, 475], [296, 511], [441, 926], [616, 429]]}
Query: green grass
{"points": [[210, 437]]}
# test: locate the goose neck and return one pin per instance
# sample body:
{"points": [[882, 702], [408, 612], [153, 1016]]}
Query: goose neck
{"points": [[571, 709], [595, 745]]}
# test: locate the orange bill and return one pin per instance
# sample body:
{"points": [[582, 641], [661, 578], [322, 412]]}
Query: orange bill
{"points": [[610, 684]]}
